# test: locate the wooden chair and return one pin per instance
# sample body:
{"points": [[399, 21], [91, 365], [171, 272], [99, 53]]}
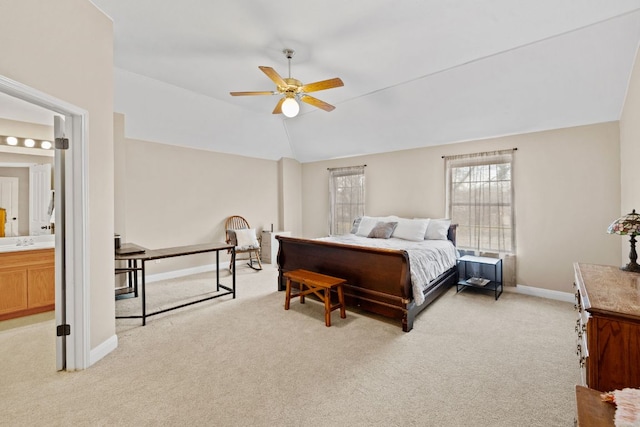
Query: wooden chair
{"points": [[231, 225]]}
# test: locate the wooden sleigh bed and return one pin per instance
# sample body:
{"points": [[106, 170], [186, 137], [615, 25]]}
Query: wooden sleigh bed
{"points": [[378, 280]]}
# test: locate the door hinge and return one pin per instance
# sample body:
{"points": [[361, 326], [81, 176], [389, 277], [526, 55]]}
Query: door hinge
{"points": [[62, 143], [62, 330]]}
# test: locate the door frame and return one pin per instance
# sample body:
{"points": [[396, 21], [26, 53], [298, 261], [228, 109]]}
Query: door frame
{"points": [[76, 267]]}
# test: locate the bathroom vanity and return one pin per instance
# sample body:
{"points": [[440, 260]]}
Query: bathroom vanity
{"points": [[27, 280]]}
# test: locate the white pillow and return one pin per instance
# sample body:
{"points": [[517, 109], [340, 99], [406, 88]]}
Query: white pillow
{"points": [[438, 229], [366, 225], [411, 229], [246, 237]]}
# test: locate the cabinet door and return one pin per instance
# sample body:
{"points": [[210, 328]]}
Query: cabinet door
{"points": [[13, 291], [616, 354], [42, 286]]}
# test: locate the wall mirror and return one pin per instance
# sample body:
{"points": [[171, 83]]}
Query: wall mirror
{"points": [[26, 169]]}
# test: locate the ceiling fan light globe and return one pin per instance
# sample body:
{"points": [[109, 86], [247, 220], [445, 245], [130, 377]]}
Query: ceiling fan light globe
{"points": [[290, 107]]}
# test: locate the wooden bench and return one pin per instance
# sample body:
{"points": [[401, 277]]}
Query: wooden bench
{"points": [[320, 285]]}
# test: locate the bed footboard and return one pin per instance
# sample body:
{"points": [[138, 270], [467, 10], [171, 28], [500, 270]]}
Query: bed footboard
{"points": [[378, 280]]}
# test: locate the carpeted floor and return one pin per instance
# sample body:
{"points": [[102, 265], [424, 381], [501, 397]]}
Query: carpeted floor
{"points": [[469, 361]]}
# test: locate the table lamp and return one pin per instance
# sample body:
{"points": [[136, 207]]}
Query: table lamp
{"points": [[628, 225]]}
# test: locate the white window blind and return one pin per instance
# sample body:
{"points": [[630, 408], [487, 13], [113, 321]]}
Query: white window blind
{"points": [[346, 192], [480, 195]]}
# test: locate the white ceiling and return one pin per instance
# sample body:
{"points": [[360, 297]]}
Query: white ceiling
{"points": [[416, 72]]}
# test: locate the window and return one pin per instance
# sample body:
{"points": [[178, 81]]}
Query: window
{"points": [[480, 200], [346, 192]]}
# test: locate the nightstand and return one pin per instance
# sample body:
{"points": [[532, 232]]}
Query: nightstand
{"points": [[482, 273], [269, 246]]}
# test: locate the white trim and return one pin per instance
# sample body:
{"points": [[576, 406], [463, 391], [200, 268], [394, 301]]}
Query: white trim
{"points": [[103, 349], [76, 180], [76, 238], [181, 273], [541, 292]]}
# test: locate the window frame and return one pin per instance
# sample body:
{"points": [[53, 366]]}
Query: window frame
{"points": [[337, 208], [488, 183]]}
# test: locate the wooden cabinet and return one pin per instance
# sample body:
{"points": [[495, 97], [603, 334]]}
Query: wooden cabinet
{"points": [[591, 410], [608, 326], [269, 246], [27, 282]]}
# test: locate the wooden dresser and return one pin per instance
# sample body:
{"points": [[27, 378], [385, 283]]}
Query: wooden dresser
{"points": [[608, 326]]}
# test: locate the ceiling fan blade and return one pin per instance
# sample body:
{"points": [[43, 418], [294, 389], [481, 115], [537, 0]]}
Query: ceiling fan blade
{"points": [[273, 75], [252, 93], [317, 103], [278, 109], [322, 85]]}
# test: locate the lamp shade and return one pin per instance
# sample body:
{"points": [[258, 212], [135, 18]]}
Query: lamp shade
{"points": [[290, 107], [628, 224]]}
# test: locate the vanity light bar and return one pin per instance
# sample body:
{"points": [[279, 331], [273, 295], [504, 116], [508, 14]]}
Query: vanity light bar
{"points": [[25, 142]]}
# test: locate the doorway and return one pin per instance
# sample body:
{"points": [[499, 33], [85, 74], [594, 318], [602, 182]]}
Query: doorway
{"points": [[71, 279], [9, 204]]}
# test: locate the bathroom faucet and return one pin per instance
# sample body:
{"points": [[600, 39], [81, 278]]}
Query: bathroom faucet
{"points": [[25, 242]]}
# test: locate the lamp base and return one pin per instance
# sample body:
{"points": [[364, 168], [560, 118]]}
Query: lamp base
{"points": [[632, 266]]}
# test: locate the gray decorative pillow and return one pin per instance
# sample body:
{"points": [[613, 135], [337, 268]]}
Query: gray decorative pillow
{"points": [[232, 237], [356, 224], [383, 230]]}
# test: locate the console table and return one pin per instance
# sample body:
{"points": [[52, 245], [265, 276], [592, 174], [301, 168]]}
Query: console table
{"points": [[136, 263]]}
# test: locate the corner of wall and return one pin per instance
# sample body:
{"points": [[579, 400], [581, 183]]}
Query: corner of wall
{"points": [[103, 349]]}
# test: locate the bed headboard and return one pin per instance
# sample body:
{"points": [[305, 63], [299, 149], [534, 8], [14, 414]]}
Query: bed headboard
{"points": [[451, 234]]}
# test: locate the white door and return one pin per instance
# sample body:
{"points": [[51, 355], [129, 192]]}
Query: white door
{"points": [[9, 202], [59, 131], [39, 199]]}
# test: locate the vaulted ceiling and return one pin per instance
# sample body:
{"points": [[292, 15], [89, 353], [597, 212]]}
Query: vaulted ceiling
{"points": [[416, 72]]}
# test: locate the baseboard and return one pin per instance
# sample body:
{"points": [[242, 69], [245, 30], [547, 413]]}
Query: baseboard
{"points": [[541, 292], [103, 349], [174, 274], [181, 273]]}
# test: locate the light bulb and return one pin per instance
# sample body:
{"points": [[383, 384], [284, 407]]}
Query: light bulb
{"points": [[12, 140], [45, 145], [29, 143], [290, 107]]}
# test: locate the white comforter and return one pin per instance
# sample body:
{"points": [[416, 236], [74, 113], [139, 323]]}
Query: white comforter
{"points": [[427, 259]]}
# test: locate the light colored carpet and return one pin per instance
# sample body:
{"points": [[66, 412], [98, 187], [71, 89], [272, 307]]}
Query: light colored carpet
{"points": [[469, 361]]}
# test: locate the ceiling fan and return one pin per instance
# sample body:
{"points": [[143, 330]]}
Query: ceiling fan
{"points": [[292, 89]]}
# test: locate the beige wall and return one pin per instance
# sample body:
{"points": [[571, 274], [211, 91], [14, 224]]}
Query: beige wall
{"points": [[26, 130], [630, 151], [567, 193], [65, 49], [172, 196], [289, 197]]}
